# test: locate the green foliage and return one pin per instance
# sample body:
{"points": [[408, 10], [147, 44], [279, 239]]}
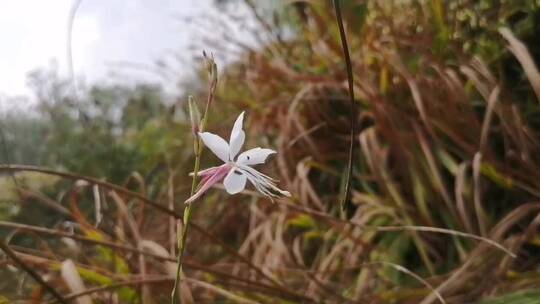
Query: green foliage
{"points": [[521, 297]]}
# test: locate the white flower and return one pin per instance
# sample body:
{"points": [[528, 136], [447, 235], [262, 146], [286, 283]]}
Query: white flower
{"points": [[236, 171]]}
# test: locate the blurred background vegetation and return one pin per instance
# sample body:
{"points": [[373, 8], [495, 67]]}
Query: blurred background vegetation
{"points": [[449, 138]]}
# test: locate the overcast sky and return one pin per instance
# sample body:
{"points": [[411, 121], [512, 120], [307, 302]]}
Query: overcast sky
{"points": [[106, 35]]}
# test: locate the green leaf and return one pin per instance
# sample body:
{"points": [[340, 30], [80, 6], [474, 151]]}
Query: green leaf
{"points": [[498, 178], [520, 297], [302, 221]]}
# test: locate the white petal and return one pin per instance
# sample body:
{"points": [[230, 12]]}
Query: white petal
{"points": [[216, 144], [237, 136], [235, 181], [254, 156]]}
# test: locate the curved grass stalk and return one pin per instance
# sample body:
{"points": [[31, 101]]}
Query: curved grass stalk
{"points": [[400, 228], [445, 231], [412, 274], [400, 268], [353, 115]]}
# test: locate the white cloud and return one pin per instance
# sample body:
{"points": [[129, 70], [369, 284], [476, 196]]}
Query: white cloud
{"points": [[105, 32], [86, 36], [31, 34]]}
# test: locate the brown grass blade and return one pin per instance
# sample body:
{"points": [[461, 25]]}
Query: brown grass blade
{"points": [[134, 228], [524, 57], [71, 277], [13, 256], [492, 101]]}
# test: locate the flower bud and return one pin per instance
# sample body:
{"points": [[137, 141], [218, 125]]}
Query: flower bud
{"points": [[214, 74], [195, 118], [194, 115]]}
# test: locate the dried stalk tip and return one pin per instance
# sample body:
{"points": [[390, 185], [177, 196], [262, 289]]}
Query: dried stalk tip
{"points": [[209, 62], [211, 66]]}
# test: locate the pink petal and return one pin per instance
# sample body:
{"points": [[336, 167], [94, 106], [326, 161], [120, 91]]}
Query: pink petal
{"points": [[206, 172], [209, 181]]}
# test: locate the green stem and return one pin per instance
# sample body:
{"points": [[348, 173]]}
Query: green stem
{"points": [[182, 239], [353, 113], [187, 211]]}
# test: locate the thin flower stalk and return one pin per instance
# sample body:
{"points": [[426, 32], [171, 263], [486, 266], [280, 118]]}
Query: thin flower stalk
{"points": [[235, 171], [182, 237]]}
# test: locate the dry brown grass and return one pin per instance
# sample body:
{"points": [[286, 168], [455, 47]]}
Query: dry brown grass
{"points": [[444, 191]]}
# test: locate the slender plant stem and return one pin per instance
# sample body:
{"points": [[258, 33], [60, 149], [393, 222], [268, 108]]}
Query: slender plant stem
{"points": [[32, 273], [187, 211], [354, 113]]}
